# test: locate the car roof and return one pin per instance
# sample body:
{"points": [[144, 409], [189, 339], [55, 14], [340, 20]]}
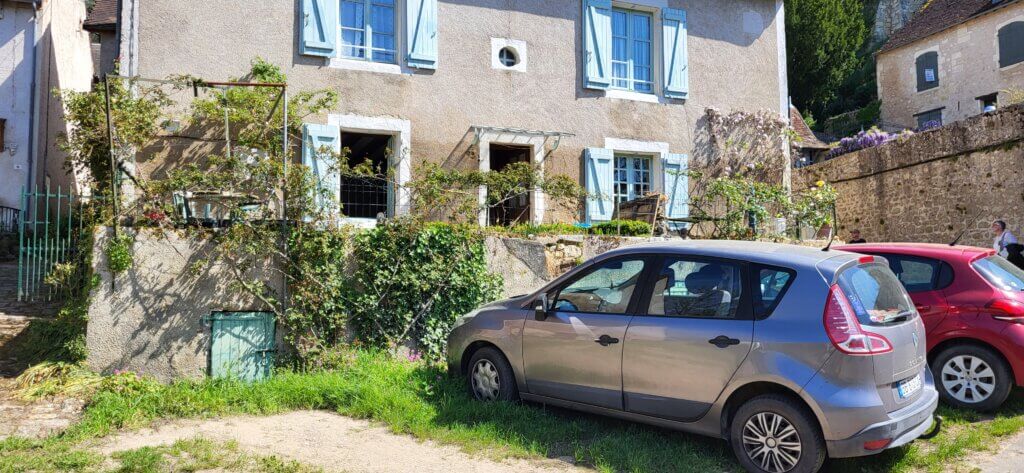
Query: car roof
{"points": [[933, 250], [755, 251]]}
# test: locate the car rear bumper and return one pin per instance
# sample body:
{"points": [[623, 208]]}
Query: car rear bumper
{"points": [[904, 426]]}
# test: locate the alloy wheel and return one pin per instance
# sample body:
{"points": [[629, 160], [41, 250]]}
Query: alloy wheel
{"points": [[772, 442], [968, 379], [485, 381]]}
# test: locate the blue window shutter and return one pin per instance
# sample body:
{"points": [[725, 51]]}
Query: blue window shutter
{"points": [[319, 27], [597, 41], [421, 24], [315, 140], [599, 175], [677, 188], [676, 60]]}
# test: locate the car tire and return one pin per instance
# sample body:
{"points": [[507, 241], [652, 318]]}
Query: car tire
{"points": [[994, 384], [490, 376], [770, 452]]}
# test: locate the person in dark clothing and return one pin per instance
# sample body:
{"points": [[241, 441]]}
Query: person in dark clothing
{"points": [[855, 237], [1015, 254]]}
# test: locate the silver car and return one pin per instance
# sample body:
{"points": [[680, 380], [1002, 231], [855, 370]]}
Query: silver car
{"points": [[790, 354]]}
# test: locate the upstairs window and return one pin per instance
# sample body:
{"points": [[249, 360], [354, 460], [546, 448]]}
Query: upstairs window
{"points": [[368, 30], [1011, 44], [631, 51], [927, 71]]}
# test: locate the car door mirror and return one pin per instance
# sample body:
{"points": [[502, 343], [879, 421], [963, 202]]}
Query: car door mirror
{"points": [[541, 307]]}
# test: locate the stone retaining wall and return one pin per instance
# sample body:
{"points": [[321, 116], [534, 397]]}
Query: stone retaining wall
{"points": [[929, 187]]}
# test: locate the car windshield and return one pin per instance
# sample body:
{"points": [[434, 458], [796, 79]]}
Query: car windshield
{"points": [[1001, 273], [875, 295]]}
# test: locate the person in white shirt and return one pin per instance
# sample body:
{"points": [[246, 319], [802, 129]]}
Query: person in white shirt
{"points": [[1002, 238]]}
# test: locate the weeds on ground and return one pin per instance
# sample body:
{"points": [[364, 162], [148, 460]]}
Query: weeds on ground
{"points": [[199, 454], [420, 400]]}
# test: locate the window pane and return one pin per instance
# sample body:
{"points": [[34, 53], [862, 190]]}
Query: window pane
{"points": [[619, 23], [916, 274], [352, 42], [771, 287], [875, 295], [641, 26], [1011, 44], [606, 289], [382, 19], [696, 289], [619, 50], [1001, 273], [352, 14]]}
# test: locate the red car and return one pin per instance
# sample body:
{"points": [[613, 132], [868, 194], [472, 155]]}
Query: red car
{"points": [[972, 305]]}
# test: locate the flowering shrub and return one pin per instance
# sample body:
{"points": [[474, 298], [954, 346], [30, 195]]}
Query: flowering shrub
{"points": [[866, 139]]}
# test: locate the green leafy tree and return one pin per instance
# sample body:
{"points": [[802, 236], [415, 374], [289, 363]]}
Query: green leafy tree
{"points": [[823, 38]]}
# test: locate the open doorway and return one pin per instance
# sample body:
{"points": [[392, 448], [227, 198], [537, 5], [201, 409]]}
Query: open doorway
{"points": [[365, 195], [515, 209]]}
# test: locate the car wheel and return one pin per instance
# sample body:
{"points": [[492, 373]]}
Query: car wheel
{"points": [[491, 377], [775, 434], [972, 377]]}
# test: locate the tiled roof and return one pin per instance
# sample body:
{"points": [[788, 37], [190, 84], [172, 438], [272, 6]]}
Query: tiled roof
{"points": [[807, 138], [102, 16], [939, 15]]}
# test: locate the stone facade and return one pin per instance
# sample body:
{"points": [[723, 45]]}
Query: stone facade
{"points": [[968, 68], [432, 112], [929, 187]]}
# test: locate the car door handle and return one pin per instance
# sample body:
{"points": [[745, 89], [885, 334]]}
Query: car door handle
{"points": [[722, 341], [606, 340]]}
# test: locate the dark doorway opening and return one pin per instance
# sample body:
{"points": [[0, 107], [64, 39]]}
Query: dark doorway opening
{"points": [[365, 195], [515, 209]]}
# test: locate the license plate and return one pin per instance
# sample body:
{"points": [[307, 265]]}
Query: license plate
{"points": [[909, 387]]}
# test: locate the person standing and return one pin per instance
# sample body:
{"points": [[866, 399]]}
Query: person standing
{"points": [[1002, 238], [855, 237]]}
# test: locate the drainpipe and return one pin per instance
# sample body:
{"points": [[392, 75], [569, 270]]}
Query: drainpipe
{"points": [[33, 121]]}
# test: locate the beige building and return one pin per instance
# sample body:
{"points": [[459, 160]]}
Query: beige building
{"points": [[611, 93], [953, 60]]}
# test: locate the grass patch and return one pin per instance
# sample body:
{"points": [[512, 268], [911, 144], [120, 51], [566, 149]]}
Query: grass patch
{"points": [[411, 398], [199, 454]]}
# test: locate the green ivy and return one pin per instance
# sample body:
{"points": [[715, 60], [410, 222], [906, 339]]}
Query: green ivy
{"points": [[119, 253], [413, 281]]}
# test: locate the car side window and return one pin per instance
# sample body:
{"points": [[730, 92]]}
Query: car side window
{"points": [[772, 284], [694, 288], [916, 274], [606, 289]]}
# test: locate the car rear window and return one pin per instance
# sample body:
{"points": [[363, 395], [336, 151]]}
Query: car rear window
{"points": [[876, 295], [1000, 272]]}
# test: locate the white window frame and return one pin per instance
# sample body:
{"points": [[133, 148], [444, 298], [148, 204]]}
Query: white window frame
{"points": [[365, 64], [632, 160], [657, 95], [537, 150], [658, 152], [367, 31], [631, 81], [399, 160]]}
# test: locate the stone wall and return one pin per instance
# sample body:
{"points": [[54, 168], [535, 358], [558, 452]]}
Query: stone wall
{"points": [[527, 264], [929, 187], [150, 319]]}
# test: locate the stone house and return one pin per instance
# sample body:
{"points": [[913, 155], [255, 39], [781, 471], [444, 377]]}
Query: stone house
{"points": [[954, 59], [610, 93], [42, 47]]}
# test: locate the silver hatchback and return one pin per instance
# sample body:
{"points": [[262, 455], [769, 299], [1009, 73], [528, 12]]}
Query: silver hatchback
{"points": [[790, 354]]}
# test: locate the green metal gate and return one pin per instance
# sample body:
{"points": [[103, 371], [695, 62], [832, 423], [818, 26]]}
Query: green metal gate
{"points": [[49, 226], [242, 345]]}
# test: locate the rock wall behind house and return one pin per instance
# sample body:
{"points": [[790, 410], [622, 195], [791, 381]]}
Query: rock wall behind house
{"points": [[527, 264], [929, 187], [149, 319]]}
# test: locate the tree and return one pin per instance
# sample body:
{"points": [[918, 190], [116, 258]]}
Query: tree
{"points": [[823, 41]]}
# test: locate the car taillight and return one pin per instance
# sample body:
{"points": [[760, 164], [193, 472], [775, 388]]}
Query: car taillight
{"points": [[845, 331], [1006, 310]]}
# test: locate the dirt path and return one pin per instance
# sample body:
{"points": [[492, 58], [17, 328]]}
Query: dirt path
{"points": [[329, 441], [1007, 457]]}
